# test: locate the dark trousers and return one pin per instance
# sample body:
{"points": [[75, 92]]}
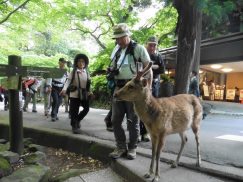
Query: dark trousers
{"points": [[77, 116], [56, 101], [143, 130], [119, 110], [6, 101], [108, 118], [156, 88]]}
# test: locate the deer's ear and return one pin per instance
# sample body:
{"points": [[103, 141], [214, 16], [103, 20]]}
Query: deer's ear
{"points": [[144, 82]]}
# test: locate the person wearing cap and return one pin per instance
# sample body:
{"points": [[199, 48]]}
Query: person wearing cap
{"points": [[158, 64], [80, 80], [158, 68], [54, 86], [124, 57]]}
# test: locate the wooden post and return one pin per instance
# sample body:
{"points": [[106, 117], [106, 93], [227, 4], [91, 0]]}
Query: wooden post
{"points": [[15, 110]]}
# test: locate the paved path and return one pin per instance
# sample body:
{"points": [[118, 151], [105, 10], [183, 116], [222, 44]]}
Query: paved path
{"points": [[95, 128]]}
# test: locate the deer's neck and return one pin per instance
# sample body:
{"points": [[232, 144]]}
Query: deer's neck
{"points": [[147, 109]]}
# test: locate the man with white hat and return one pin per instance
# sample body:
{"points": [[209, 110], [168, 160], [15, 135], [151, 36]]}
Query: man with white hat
{"points": [[125, 53]]}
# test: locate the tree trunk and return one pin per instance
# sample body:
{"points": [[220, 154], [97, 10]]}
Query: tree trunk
{"points": [[188, 45], [196, 62]]}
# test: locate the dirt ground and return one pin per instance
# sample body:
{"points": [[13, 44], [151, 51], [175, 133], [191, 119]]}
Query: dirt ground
{"points": [[61, 161]]}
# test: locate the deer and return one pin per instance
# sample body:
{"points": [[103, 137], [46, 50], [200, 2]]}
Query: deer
{"points": [[162, 117]]}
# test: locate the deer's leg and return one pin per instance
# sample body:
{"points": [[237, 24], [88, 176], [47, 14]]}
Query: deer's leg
{"points": [[195, 130], [158, 151], [154, 148], [183, 142]]}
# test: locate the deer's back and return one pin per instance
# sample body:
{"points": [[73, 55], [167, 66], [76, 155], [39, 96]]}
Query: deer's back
{"points": [[176, 113]]}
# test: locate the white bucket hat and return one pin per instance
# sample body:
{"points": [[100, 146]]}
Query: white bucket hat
{"points": [[120, 30]]}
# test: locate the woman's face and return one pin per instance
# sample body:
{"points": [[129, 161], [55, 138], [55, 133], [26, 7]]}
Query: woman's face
{"points": [[81, 63]]}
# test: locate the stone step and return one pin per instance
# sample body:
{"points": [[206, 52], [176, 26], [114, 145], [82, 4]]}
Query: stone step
{"points": [[104, 175]]}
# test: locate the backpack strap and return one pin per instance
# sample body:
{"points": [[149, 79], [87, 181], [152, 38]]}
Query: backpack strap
{"points": [[88, 81], [130, 50], [73, 76]]}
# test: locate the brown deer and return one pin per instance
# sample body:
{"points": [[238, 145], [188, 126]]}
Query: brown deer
{"points": [[163, 116]]}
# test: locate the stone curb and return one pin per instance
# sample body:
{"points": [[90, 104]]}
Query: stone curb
{"points": [[229, 172], [225, 113], [99, 149]]}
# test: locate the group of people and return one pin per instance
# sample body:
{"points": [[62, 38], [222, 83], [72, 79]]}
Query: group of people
{"points": [[57, 90], [211, 88], [124, 57]]}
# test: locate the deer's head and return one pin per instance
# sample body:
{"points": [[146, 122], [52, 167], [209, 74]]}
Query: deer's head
{"points": [[136, 89]]}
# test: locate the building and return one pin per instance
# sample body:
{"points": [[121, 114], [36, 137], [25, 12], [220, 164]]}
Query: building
{"points": [[221, 60]]}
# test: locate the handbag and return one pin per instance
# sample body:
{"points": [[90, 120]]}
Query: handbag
{"points": [[71, 87]]}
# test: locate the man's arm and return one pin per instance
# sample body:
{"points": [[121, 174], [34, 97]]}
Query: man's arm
{"points": [[145, 58], [149, 75], [158, 66]]}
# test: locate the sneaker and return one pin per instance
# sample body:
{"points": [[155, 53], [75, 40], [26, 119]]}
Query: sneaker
{"points": [[76, 131], [79, 125], [109, 128], [117, 153], [108, 124], [34, 110], [146, 137], [131, 154], [53, 119]]}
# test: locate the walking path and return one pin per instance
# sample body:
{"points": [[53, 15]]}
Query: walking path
{"points": [[97, 142]]}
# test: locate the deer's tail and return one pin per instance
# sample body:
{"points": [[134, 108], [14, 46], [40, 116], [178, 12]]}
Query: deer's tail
{"points": [[198, 113]]}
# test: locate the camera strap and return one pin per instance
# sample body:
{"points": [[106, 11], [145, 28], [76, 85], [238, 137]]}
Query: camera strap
{"points": [[129, 50], [116, 57]]}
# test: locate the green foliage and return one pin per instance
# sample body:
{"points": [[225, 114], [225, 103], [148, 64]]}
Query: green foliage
{"points": [[99, 88], [41, 61], [102, 60], [215, 16], [166, 78], [42, 32]]}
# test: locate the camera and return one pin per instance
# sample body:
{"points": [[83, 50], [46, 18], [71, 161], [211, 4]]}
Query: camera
{"points": [[111, 73]]}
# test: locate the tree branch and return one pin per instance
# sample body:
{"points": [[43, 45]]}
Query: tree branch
{"points": [[109, 18], [3, 2], [91, 33], [12, 12]]}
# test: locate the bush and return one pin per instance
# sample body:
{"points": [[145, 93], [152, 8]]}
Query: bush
{"points": [[101, 92]]}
